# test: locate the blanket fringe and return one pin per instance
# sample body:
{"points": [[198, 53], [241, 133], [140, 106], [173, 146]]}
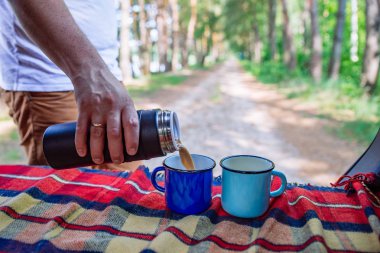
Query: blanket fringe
{"points": [[370, 181], [347, 181]]}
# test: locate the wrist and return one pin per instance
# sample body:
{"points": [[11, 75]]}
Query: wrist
{"points": [[89, 73]]}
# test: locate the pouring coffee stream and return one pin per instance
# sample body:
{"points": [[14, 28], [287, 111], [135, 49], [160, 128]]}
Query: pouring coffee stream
{"points": [[185, 156]]}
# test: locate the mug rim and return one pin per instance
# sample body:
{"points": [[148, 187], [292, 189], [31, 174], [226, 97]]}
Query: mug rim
{"points": [[190, 171], [246, 172]]}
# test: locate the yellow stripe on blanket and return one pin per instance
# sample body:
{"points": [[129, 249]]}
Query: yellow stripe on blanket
{"points": [[126, 244], [367, 242], [141, 224], [5, 220], [22, 203], [56, 231], [3, 199], [167, 242]]}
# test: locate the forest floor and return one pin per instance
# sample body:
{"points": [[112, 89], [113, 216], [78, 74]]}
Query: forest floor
{"points": [[224, 111]]}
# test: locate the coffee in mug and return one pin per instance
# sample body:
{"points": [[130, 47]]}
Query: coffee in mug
{"points": [[186, 191]]}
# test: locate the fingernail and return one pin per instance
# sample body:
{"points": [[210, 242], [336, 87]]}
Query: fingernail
{"points": [[98, 161], [116, 161], [132, 151], [81, 152]]}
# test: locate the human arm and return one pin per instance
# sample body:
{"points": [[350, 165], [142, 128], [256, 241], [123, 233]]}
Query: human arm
{"points": [[100, 96]]}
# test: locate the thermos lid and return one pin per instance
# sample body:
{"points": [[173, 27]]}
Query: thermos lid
{"points": [[168, 131]]}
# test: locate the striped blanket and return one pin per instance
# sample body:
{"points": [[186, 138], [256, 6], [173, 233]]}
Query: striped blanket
{"points": [[43, 210]]}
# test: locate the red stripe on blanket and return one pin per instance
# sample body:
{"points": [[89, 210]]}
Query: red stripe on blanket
{"points": [[130, 191], [183, 237], [241, 247], [61, 222]]}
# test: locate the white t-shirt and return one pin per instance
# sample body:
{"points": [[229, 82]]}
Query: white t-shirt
{"points": [[24, 67]]}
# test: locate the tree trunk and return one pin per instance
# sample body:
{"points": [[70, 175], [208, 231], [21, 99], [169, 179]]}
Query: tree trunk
{"points": [[214, 50], [182, 45], [316, 43], [125, 63], [144, 38], [354, 39], [272, 29], [305, 27], [162, 43], [371, 59], [335, 58], [257, 44], [190, 32], [201, 50], [289, 49], [203, 46], [175, 35], [166, 35], [208, 40]]}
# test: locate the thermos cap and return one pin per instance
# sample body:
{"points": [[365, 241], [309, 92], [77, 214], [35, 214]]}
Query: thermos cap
{"points": [[168, 131]]}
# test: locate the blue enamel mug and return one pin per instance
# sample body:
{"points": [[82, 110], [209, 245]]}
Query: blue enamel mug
{"points": [[186, 191], [246, 182]]}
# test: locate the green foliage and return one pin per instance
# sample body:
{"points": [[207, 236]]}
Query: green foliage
{"points": [[156, 82], [238, 22], [238, 18], [14, 135], [271, 72], [200, 67], [9, 136], [4, 117], [184, 13], [358, 130], [11, 156], [350, 70], [10, 151], [344, 101]]}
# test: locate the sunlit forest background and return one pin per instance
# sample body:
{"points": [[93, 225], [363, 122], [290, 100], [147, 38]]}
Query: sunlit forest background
{"points": [[313, 49]]}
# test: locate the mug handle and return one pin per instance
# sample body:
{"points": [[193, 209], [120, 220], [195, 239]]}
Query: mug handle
{"points": [[153, 178], [279, 191]]}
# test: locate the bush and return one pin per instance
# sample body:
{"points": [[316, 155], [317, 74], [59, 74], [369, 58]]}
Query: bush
{"points": [[334, 98]]}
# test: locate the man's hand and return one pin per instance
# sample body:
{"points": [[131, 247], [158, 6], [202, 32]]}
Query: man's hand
{"points": [[106, 102], [100, 97]]}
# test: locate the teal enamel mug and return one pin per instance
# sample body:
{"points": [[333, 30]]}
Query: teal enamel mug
{"points": [[246, 182]]}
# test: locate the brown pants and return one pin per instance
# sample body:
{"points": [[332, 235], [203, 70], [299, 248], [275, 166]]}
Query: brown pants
{"points": [[33, 112]]}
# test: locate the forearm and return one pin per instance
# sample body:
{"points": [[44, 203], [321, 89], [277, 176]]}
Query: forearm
{"points": [[50, 25], [100, 97]]}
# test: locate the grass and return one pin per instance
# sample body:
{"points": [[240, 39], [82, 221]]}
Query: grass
{"points": [[4, 117], [207, 65], [11, 156], [360, 130], [358, 115], [156, 82], [10, 150], [9, 136], [13, 136], [200, 67], [216, 96], [160, 81]]}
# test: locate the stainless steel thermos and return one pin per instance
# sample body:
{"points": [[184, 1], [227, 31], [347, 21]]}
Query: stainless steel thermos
{"points": [[159, 132]]}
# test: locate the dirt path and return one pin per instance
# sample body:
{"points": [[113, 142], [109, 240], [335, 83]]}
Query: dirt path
{"points": [[226, 112]]}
